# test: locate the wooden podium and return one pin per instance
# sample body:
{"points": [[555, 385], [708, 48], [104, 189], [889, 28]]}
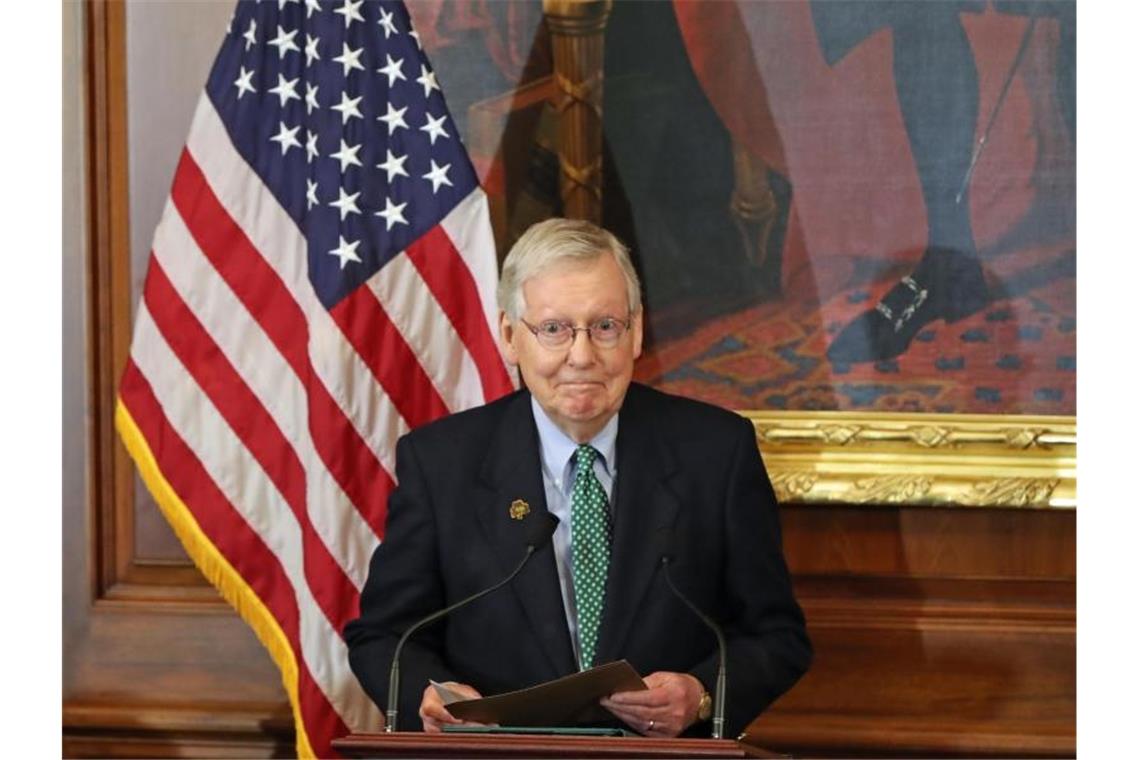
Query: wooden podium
{"points": [[413, 744]]}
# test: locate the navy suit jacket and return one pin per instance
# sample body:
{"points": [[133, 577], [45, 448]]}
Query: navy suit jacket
{"points": [[685, 469]]}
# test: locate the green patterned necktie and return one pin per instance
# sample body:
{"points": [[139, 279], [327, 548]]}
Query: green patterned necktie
{"points": [[590, 545]]}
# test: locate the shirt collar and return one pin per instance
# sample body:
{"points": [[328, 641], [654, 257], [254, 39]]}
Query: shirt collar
{"points": [[558, 448]]}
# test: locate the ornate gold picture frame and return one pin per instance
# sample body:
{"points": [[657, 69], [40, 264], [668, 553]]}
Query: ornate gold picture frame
{"points": [[1013, 461]]}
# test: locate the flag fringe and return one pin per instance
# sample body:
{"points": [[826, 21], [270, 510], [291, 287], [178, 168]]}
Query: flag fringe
{"points": [[215, 567]]}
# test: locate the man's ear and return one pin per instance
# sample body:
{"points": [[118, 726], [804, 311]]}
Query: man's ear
{"points": [[507, 334]]}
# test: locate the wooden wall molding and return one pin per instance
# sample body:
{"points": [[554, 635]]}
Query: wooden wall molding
{"points": [[143, 729], [116, 571], [155, 663], [101, 729], [885, 603], [247, 718], [937, 632], [96, 744], [917, 616], [847, 736], [929, 689]]}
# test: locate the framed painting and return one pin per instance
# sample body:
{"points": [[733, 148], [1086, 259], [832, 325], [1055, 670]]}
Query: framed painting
{"points": [[854, 221]]}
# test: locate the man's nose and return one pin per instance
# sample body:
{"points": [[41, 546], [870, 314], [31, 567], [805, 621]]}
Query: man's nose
{"points": [[582, 352]]}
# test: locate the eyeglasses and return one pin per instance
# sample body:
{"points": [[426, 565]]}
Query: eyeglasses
{"points": [[603, 333]]}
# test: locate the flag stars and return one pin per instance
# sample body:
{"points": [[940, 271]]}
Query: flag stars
{"points": [[394, 166], [250, 35], [394, 119], [286, 138], [347, 155], [434, 127], [346, 251], [243, 83], [393, 214], [348, 107], [286, 90], [322, 148], [284, 42], [427, 79], [387, 23], [438, 176], [394, 70], [311, 97], [350, 59], [311, 53], [346, 204], [351, 12]]}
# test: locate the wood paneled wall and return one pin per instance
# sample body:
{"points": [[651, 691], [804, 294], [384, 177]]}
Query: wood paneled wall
{"points": [[154, 662], [937, 631]]}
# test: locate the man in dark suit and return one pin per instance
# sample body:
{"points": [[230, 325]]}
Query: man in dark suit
{"points": [[628, 471]]}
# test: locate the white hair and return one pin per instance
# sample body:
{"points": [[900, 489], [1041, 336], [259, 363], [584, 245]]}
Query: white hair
{"points": [[556, 241]]}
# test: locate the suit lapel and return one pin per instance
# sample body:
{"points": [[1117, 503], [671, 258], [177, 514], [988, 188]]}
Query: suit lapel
{"points": [[512, 471], [645, 507]]}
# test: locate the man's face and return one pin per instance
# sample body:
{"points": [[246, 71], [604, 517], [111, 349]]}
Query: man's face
{"points": [[580, 386]]}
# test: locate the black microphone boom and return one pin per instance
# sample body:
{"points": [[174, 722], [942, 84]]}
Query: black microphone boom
{"points": [[718, 702], [539, 531]]}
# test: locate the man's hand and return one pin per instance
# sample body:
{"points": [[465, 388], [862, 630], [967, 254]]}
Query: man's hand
{"points": [[666, 708], [435, 715]]}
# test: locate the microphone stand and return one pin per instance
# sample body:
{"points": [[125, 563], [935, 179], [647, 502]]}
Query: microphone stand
{"points": [[719, 700], [540, 535]]}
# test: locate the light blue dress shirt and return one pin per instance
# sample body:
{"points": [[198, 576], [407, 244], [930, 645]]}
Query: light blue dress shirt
{"points": [[556, 450]]}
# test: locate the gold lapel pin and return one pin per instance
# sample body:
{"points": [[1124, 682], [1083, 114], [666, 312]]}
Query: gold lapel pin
{"points": [[519, 509]]}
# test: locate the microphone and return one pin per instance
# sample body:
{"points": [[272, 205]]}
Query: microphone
{"points": [[719, 700], [539, 530]]}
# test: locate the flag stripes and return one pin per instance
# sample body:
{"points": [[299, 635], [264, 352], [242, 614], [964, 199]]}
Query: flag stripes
{"points": [[261, 290], [239, 545], [270, 377], [231, 555], [424, 325], [257, 362], [364, 322], [278, 244], [469, 233], [447, 277], [253, 500], [243, 341], [258, 432]]}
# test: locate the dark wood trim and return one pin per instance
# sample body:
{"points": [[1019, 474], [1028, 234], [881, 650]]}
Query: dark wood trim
{"points": [[198, 717], [927, 604], [116, 572], [102, 744], [102, 180], [125, 729], [853, 736], [158, 664], [415, 744]]}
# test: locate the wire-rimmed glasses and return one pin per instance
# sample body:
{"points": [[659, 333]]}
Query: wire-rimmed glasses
{"points": [[604, 332]]}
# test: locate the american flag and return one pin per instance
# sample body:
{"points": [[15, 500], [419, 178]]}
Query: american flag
{"points": [[321, 282]]}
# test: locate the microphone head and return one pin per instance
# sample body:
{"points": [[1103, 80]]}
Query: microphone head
{"points": [[663, 545], [539, 529]]}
